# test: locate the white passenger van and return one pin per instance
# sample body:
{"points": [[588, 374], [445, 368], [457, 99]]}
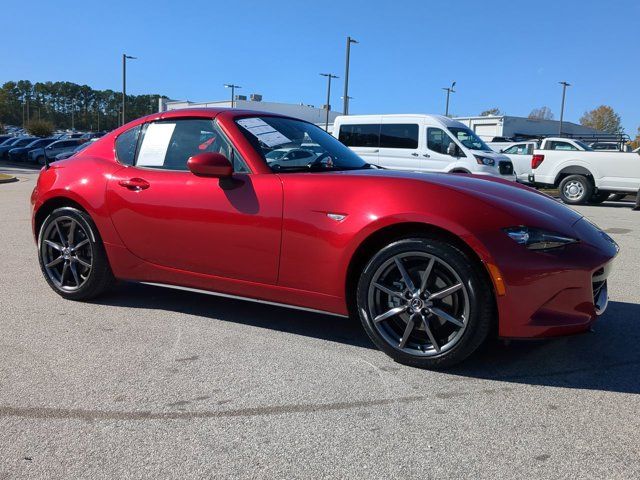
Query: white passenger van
{"points": [[425, 143]]}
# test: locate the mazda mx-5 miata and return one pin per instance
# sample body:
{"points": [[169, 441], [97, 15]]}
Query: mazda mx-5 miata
{"points": [[430, 263]]}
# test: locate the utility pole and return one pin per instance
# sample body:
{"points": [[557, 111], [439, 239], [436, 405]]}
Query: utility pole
{"points": [[124, 84], [449, 90], [564, 92], [329, 77], [233, 92], [346, 97]]}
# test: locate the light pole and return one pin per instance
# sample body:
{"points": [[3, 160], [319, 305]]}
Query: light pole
{"points": [[124, 84], [449, 90], [346, 97], [233, 92], [564, 92], [329, 77]]}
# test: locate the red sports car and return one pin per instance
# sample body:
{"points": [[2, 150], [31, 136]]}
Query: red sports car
{"points": [[273, 209]]}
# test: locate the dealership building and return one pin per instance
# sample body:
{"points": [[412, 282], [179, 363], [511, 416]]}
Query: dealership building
{"points": [[490, 127], [308, 113], [487, 127]]}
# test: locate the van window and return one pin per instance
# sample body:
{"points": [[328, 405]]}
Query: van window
{"points": [[399, 135], [367, 135], [438, 140]]}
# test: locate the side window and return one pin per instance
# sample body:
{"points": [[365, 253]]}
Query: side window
{"points": [[438, 140], [360, 135], [168, 144], [126, 145], [512, 150], [561, 146], [399, 136]]}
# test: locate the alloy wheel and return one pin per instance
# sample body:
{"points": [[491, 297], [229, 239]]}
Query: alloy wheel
{"points": [[418, 304], [65, 249]]}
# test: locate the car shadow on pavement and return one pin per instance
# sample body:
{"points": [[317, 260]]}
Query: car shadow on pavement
{"points": [[607, 359]]}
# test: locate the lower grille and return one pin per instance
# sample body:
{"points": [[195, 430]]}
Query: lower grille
{"points": [[505, 168]]}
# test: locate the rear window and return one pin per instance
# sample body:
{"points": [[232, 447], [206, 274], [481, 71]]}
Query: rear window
{"points": [[365, 135], [399, 135], [126, 145]]}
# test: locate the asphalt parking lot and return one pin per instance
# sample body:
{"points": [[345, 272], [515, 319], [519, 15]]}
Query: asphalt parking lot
{"points": [[148, 382]]}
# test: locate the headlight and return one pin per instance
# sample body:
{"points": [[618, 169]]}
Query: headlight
{"points": [[485, 160], [536, 239]]}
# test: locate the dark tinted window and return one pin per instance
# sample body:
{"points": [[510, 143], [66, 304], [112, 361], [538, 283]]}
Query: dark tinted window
{"points": [[399, 135], [126, 145], [438, 140], [360, 135]]}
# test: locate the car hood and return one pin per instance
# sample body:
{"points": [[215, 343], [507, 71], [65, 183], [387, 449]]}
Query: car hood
{"points": [[527, 204]]}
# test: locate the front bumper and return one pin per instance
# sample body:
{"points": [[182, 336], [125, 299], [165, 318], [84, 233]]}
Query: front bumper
{"points": [[558, 292]]}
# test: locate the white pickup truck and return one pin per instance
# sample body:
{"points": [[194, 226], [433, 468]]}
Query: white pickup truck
{"points": [[581, 174]]}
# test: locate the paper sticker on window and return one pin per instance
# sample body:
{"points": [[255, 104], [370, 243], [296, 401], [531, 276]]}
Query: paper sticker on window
{"points": [[272, 139], [155, 144], [263, 131]]}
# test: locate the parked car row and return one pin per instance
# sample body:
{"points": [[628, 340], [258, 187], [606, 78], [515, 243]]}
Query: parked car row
{"points": [[36, 150]]}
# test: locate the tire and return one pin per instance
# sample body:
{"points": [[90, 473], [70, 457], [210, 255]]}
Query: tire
{"points": [[575, 189], [381, 292], [74, 265], [599, 197]]}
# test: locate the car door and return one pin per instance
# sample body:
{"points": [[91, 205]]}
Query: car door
{"points": [[436, 158], [399, 145], [167, 216], [520, 155]]}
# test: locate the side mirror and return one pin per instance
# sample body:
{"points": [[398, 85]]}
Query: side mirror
{"points": [[210, 164], [452, 149]]}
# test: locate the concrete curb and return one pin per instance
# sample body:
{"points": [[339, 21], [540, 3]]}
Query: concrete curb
{"points": [[8, 180]]}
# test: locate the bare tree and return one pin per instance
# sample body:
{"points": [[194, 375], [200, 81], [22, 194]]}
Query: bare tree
{"points": [[542, 113], [491, 112]]}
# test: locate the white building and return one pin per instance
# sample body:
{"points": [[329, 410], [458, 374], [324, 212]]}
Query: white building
{"points": [[506, 126], [308, 113]]}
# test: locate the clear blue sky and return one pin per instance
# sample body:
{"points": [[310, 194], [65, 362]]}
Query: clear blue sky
{"points": [[509, 54]]}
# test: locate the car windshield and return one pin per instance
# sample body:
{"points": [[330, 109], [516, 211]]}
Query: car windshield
{"points": [[469, 139], [289, 145]]}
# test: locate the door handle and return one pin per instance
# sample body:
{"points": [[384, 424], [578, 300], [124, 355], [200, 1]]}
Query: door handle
{"points": [[135, 184], [426, 155], [414, 154]]}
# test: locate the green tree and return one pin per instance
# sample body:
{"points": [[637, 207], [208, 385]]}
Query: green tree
{"points": [[40, 128], [491, 112], [603, 118], [542, 113]]}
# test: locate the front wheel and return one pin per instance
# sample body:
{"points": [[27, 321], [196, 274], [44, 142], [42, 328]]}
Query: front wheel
{"points": [[72, 257], [575, 189], [424, 303]]}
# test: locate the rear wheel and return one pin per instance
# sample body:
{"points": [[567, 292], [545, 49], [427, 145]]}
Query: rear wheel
{"points": [[72, 257], [575, 189], [424, 303]]}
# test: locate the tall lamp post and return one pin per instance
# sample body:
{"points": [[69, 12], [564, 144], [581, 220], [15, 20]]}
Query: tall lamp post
{"points": [[125, 57], [329, 77], [233, 92], [346, 97], [564, 93], [449, 91]]}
